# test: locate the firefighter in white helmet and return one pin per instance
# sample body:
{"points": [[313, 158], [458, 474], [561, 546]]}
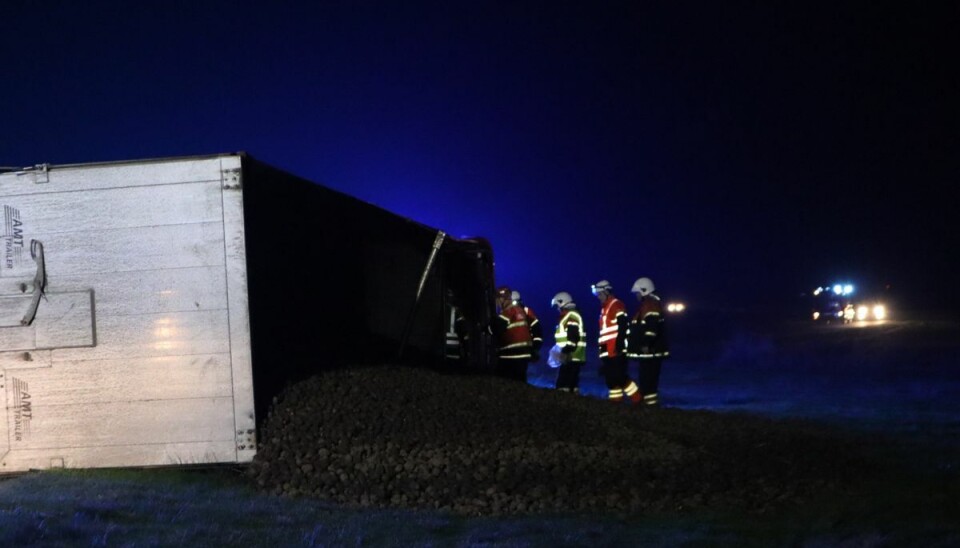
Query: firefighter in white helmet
{"points": [[536, 330], [612, 341], [571, 343], [647, 339]]}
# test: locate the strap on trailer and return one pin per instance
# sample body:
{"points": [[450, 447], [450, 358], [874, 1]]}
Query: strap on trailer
{"points": [[437, 242]]}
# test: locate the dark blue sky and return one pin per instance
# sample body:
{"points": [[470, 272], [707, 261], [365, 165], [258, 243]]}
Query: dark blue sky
{"points": [[732, 151]]}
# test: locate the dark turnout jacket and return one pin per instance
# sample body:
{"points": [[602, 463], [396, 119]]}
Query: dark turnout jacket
{"points": [[647, 331]]}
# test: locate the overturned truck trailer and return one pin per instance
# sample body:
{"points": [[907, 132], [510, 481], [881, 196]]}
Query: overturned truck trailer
{"points": [[151, 310]]}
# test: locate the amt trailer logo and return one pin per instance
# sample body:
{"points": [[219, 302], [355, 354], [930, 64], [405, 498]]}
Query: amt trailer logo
{"points": [[22, 409], [12, 237]]}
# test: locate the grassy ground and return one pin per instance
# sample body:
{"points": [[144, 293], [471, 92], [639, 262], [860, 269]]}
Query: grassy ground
{"points": [[160, 508], [918, 506], [917, 503]]}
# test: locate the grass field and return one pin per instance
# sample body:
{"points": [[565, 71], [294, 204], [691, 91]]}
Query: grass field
{"points": [[216, 506], [904, 382]]}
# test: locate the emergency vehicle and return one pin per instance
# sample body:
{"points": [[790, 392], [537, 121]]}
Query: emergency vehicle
{"points": [[840, 303]]}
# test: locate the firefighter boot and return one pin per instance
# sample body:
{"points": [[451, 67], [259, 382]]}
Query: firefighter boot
{"points": [[632, 392], [616, 394]]}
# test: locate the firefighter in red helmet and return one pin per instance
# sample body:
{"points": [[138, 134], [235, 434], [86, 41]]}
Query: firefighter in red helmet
{"points": [[536, 329], [512, 333], [612, 341]]}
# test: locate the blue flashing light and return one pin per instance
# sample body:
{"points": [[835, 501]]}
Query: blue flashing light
{"points": [[838, 289], [847, 289]]}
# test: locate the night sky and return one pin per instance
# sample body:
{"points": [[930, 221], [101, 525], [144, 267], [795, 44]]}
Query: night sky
{"points": [[736, 153]]}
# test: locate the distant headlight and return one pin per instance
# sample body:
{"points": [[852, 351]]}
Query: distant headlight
{"points": [[816, 316], [676, 307], [879, 312], [862, 312]]}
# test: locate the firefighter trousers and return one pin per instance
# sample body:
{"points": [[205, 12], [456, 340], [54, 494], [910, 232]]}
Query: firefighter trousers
{"points": [[615, 371], [649, 376], [513, 368], [568, 376]]}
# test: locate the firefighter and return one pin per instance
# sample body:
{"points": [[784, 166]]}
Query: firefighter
{"points": [[514, 341], [457, 334], [647, 340], [612, 342], [572, 341], [536, 331]]}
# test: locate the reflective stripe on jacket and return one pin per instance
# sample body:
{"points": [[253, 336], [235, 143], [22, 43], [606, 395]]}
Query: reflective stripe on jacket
{"points": [[455, 330], [610, 316], [513, 334], [536, 332], [571, 326], [646, 335]]}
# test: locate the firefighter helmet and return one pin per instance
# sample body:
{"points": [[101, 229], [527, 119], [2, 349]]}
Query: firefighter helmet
{"points": [[602, 285], [561, 300], [503, 292], [643, 286], [515, 296]]}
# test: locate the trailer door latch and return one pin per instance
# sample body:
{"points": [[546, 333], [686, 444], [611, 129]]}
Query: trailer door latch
{"points": [[39, 282]]}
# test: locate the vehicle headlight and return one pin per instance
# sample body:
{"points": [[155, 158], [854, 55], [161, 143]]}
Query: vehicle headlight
{"points": [[879, 312], [816, 316], [862, 312]]}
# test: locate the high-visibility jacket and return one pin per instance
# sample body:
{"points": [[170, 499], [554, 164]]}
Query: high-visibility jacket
{"points": [[513, 334], [647, 332], [456, 334], [613, 319], [571, 336]]}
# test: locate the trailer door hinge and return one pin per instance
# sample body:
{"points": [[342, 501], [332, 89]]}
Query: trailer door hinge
{"points": [[246, 439], [231, 178], [39, 173]]}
